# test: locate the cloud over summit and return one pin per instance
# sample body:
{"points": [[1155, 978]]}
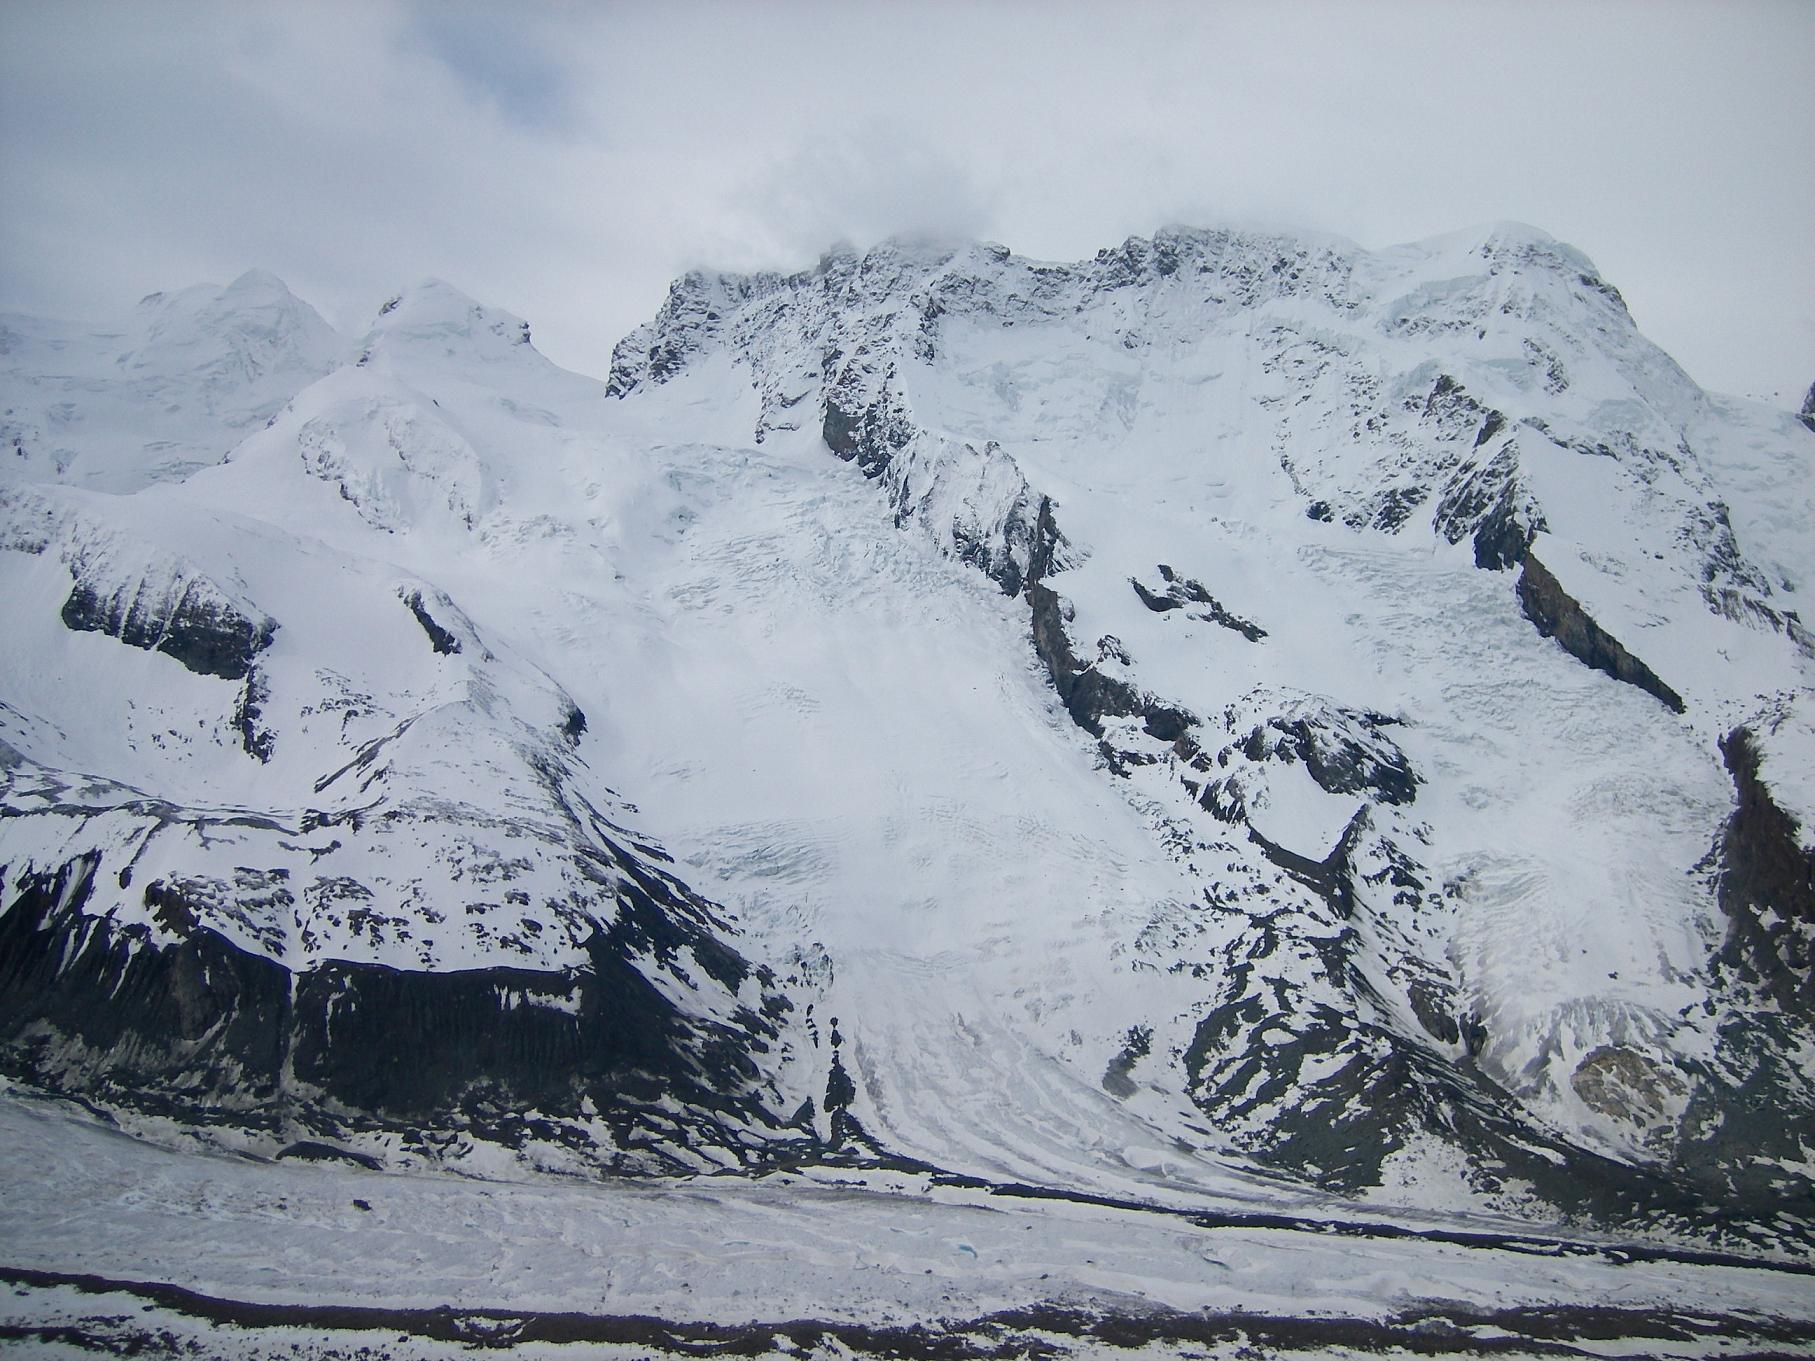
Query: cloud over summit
{"points": [[567, 161]]}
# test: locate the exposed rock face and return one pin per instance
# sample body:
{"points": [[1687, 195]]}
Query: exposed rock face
{"points": [[195, 1025], [869, 436], [1767, 883], [974, 501], [593, 1057], [440, 639], [1089, 694], [1346, 753], [1745, 1127], [190, 620], [1557, 615], [256, 740], [1486, 501], [1807, 414], [1621, 1083], [1181, 592], [1090, 691], [1373, 1095]]}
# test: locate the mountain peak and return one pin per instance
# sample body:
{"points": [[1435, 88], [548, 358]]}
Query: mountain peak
{"points": [[256, 309], [257, 282], [435, 314], [169, 388], [256, 287], [1505, 246]]}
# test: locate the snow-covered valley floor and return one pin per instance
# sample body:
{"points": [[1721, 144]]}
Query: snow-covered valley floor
{"points": [[113, 1244]]}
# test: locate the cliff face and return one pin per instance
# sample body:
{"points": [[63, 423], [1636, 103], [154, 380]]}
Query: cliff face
{"points": [[590, 1059], [1767, 883], [1557, 615]]}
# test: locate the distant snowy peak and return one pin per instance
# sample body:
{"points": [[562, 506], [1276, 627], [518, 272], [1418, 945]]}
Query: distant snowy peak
{"points": [[388, 451], [1485, 386], [256, 316], [1510, 303], [439, 318], [191, 372], [170, 389], [1216, 268]]}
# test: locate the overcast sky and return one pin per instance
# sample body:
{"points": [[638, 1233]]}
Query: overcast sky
{"points": [[565, 161]]}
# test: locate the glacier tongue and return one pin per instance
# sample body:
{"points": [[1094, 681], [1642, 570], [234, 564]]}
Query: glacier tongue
{"points": [[1150, 726]]}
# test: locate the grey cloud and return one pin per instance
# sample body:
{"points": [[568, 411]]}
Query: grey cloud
{"points": [[860, 186], [498, 56], [566, 161]]}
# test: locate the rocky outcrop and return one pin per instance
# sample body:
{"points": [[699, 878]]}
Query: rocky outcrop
{"points": [[1557, 614], [867, 434], [194, 1024], [1089, 692], [256, 740], [1182, 593], [1743, 1137], [1487, 504], [972, 501], [189, 619], [443, 642], [692, 314], [1336, 1096], [1767, 883], [594, 1057], [1343, 750]]}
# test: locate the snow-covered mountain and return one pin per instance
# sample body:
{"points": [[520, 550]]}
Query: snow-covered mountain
{"points": [[172, 388], [1239, 718]]}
